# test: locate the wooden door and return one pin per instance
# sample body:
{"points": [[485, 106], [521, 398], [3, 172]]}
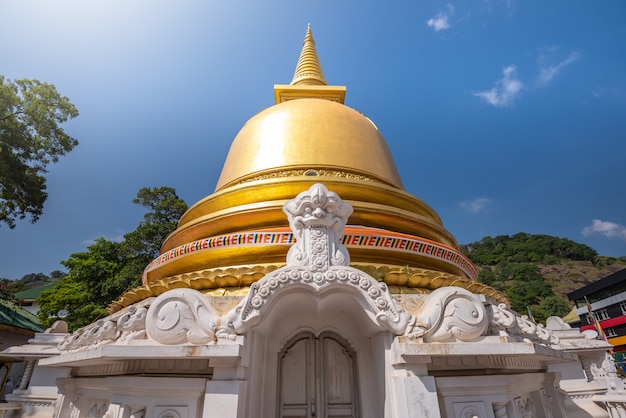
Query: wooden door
{"points": [[317, 378]]}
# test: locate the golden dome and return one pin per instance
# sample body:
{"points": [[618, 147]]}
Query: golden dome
{"points": [[235, 236], [309, 134]]}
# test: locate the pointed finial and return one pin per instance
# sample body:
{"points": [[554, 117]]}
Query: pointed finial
{"points": [[308, 81], [308, 70]]}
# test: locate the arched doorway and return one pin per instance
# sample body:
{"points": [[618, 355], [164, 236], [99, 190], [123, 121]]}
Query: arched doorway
{"points": [[317, 377]]}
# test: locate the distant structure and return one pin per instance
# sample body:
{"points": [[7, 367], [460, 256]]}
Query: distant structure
{"points": [[17, 326], [311, 284], [606, 298], [28, 298]]}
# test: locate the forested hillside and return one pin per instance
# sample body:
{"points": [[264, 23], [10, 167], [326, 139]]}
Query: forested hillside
{"points": [[28, 281], [537, 271]]}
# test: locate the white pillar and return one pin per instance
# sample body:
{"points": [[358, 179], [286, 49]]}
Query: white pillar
{"points": [[222, 399]]}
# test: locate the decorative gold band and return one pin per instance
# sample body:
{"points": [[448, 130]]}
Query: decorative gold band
{"points": [[236, 281]]}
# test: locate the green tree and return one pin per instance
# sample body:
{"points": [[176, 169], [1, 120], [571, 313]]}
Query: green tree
{"points": [[107, 269], [524, 248], [30, 139], [550, 306], [165, 208], [71, 299], [57, 274], [525, 294], [143, 245], [95, 267], [522, 272]]}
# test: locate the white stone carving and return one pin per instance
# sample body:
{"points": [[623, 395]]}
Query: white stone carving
{"points": [[556, 323], [317, 262], [525, 407], [181, 316], [100, 332], [120, 327], [499, 409], [450, 313], [527, 326], [171, 412], [98, 409], [470, 412], [317, 218], [375, 294], [503, 318], [74, 411], [133, 323], [112, 412], [608, 364]]}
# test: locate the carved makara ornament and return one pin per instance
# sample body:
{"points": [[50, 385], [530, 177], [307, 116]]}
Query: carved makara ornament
{"points": [[181, 316], [317, 218], [450, 313]]}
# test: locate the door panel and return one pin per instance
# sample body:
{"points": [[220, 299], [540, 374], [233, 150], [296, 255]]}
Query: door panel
{"points": [[317, 378], [338, 378], [297, 379]]}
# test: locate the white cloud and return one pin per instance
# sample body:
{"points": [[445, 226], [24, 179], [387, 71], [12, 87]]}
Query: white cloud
{"points": [[505, 89], [600, 92], [606, 228], [548, 68], [440, 21], [480, 204]]}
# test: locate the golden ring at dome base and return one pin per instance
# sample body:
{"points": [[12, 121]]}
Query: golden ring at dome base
{"points": [[258, 204], [236, 281]]}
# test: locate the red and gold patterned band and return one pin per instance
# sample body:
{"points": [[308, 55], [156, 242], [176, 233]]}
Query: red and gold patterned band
{"points": [[353, 237]]}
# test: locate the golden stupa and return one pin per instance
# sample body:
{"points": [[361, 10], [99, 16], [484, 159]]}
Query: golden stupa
{"points": [[238, 234]]}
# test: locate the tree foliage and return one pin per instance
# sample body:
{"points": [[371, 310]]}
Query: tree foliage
{"points": [[30, 139], [101, 274], [73, 296], [527, 248], [549, 306], [523, 283]]}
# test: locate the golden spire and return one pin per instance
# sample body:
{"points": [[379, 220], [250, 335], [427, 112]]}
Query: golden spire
{"points": [[308, 80], [308, 70]]}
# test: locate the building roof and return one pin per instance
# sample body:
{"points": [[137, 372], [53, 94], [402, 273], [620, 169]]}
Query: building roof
{"points": [[608, 281], [16, 319], [32, 294]]}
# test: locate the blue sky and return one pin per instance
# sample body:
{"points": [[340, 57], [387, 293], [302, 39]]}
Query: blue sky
{"points": [[504, 116]]}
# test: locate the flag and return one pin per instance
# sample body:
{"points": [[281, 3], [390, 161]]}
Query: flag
{"points": [[530, 314], [593, 319]]}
